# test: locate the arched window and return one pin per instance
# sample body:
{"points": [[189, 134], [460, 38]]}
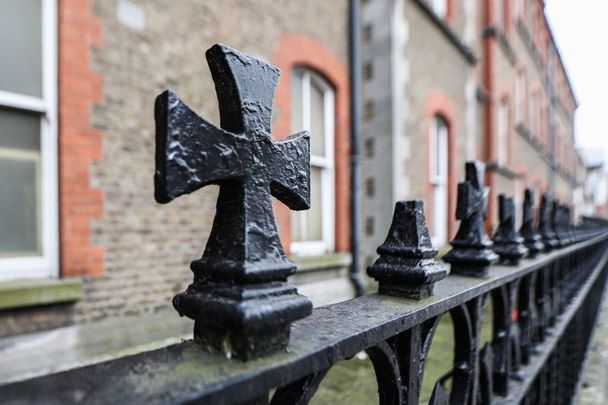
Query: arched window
{"points": [[439, 179], [521, 90], [502, 146], [313, 109]]}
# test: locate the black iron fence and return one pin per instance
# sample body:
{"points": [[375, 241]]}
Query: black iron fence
{"points": [[257, 341]]}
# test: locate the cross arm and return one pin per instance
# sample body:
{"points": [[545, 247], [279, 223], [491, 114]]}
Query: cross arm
{"points": [[190, 152], [290, 173]]}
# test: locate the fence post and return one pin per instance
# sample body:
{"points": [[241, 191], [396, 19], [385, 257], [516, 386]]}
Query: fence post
{"points": [[472, 254], [528, 228], [507, 241]]}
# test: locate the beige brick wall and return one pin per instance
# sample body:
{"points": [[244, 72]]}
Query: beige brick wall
{"points": [[435, 66], [148, 247]]}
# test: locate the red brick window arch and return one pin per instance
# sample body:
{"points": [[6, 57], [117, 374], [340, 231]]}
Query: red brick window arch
{"points": [[305, 59]]}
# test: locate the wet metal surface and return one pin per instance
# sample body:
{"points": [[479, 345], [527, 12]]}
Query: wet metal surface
{"points": [[183, 372], [240, 300], [407, 266], [472, 253]]}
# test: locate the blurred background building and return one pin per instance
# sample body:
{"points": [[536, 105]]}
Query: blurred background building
{"points": [[443, 82], [595, 192], [448, 81]]}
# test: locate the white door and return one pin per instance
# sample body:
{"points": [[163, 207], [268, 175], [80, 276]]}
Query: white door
{"points": [[439, 181]]}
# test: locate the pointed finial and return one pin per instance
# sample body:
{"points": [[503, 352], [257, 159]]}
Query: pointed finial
{"points": [[545, 228], [507, 242], [528, 230], [472, 254], [407, 266]]}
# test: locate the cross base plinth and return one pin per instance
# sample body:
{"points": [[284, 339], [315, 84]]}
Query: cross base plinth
{"points": [[407, 278], [510, 252], [550, 243], [244, 321], [243, 347], [534, 245], [473, 262], [416, 292]]}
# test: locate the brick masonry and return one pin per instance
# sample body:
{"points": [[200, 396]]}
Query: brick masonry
{"points": [[79, 143], [420, 74], [432, 77], [132, 253], [148, 247], [530, 159]]}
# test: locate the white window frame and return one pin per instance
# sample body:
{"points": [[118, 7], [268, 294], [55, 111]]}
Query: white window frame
{"points": [[520, 89], [46, 265], [502, 132], [326, 163], [440, 8], [518, 182], [439, 229]]}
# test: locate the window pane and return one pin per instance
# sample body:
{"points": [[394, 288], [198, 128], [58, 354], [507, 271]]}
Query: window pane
{"points": [[440, 7], [308, 225], [439, 168], [20, 180], [20, 130], [297, 112], [317, 130], [314, 220], [21, 46]]}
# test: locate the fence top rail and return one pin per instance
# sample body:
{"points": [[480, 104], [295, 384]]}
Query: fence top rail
{"points": [[183, 372]]}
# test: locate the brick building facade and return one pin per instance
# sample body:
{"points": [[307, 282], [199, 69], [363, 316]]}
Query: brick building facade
{"points": [[447, 81], [119, 252]]}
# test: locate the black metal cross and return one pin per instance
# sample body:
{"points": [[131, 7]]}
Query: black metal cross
{"points": [[471, 254], [239, 299]]}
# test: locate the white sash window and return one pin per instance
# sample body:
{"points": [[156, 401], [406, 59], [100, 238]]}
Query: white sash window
{"points": [[28, 139], [439, 180], [312, 109]]}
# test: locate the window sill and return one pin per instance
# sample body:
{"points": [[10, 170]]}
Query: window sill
{"points": [[24, 293], [321, 262]]}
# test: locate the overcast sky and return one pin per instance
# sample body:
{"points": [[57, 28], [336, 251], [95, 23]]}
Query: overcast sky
{"points": [[580, 28]]}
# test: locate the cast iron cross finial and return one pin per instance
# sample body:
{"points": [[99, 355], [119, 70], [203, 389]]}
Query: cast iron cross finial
{"points": [[528, 228], [471, 254], [507, 241], [239, 294]]}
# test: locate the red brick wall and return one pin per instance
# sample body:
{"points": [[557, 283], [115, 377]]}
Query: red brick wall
{"points": [[303, 50], [79, 143]]}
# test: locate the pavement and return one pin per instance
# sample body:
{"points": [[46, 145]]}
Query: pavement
{"points": [[40, 353], [594, 389]]}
